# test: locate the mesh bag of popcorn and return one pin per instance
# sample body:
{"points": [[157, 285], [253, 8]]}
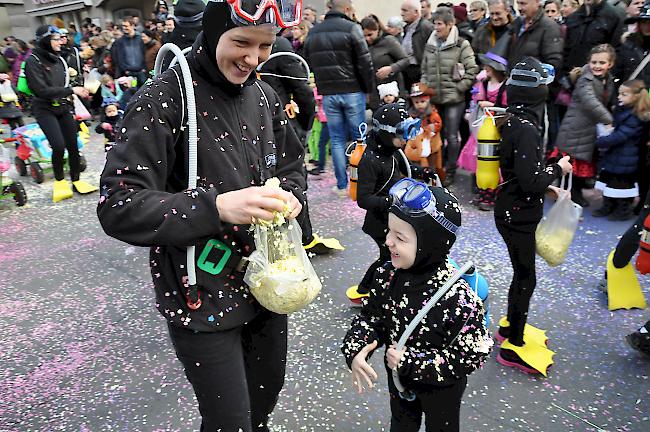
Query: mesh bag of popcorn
{"points": [[556, 230], [279, 273]]}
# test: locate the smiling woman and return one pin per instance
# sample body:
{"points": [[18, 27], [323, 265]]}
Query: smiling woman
{"points": [[232, 349]]}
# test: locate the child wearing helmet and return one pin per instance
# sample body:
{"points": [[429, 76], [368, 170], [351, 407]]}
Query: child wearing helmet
{"points": [[519, 208], [450, 342], [233, 350]]}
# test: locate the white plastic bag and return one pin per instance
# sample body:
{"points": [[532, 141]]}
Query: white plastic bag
{"points": [[556, 230], [279, 273], [7, 93], [92, 81]]}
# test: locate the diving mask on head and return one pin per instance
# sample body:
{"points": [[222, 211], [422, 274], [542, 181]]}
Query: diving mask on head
{"points": [[279, 13], [416, 199], [51, 30], [406, 129], [531, 78]]}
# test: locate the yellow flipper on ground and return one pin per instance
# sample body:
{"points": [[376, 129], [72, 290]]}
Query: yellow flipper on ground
{"points": [[61, 190], [323, 245], [536, 356], [531, 333], [623, 288], [84, 188]]}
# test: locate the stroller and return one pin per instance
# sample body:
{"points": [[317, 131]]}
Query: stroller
{"points": [[33, 150], [9, 189]]}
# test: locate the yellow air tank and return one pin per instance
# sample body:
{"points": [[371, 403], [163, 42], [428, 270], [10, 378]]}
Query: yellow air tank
{"points": [[487, 164], [355, 158]]}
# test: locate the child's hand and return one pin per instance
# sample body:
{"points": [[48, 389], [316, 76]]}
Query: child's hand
{"points": [[393, 357], [361, 370], [106, 126]]}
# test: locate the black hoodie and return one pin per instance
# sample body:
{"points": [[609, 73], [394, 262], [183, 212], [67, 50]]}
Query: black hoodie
{"points": [[244, 139], [45, 73], [452, 341]]}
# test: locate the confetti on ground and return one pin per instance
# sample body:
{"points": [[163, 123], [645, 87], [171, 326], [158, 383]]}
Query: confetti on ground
{"points": [[84, 349]]}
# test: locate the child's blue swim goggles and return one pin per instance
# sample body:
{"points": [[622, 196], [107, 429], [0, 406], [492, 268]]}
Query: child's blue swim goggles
{"points": [[416, 199], [407, 129]]}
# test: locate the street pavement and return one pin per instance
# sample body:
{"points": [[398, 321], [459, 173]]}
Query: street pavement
{"points": [[83, 348]]}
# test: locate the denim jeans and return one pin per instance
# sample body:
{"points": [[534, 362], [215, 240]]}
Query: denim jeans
{"points": [[344, 114], [451, 116], [322, 146]]}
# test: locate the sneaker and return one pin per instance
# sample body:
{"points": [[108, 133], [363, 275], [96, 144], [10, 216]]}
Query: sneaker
{"points": [[315, 171], [639, 341], [510, 358], [340, 192], [502, 333]]}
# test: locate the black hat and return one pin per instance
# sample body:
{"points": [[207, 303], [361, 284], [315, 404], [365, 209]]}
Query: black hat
{"points": [[644, 14], [187, 11], [433, 240], [389, 115], [496, 57]]}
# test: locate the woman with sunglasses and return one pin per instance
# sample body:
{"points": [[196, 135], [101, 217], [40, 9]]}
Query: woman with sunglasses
{"points": [[47, 76], [232, 349]]}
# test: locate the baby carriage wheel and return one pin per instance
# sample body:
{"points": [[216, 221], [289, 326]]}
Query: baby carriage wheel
{"points": [[36, 172], [83, 164], [21, 166], [20, 196]]}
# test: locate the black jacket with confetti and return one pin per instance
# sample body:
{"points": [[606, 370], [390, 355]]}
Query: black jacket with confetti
{"points": [[520, 201], [244, 139], [451, 341]]}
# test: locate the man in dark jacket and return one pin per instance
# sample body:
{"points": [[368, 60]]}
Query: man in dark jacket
{"points": [[128, 54], [595, 22], [416, 34], [232, 349], [635, 48], [344, 75], [499, 23], [535, 35]]}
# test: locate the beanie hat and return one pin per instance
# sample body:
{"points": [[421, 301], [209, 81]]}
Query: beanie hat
{"points": [[387, 115], [188, 11], [526, 97], [433, 240], [460, 12], [390, 88], [44, 36]]}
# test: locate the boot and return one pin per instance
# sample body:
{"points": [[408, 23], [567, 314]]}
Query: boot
{"points": [[607, 208], [623, 212], [576, 194]]}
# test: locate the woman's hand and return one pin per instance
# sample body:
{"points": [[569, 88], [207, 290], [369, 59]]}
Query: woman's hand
{"points": [[393, 356], [565, 165], [242, 206], [555, 192], [361, 370], [384, 72], [81, 92]]}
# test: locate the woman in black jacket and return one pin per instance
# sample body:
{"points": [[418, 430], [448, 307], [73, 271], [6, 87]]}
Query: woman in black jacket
{"points": [[388, 56], [232, 349], [520, 203], [47, 77]]}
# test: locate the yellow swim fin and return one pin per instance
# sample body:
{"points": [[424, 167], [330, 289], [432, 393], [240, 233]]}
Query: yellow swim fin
{"points": [[61, 190], [536, 356], [354, 295], [322, 246], [84, 188], [531, 333], [623, 288]]}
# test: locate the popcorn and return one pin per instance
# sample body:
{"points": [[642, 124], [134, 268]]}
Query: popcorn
{"points": [[553, 246]]}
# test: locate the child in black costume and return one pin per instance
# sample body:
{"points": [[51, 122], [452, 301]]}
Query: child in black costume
{"points": [[380, 168], [519, 204], [452, 340]]}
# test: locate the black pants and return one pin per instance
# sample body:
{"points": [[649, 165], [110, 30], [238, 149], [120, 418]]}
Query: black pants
{"points": [[440, 406], [384, 255], [61, 131], [237, 374], [629, 243], [521, 248]]}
